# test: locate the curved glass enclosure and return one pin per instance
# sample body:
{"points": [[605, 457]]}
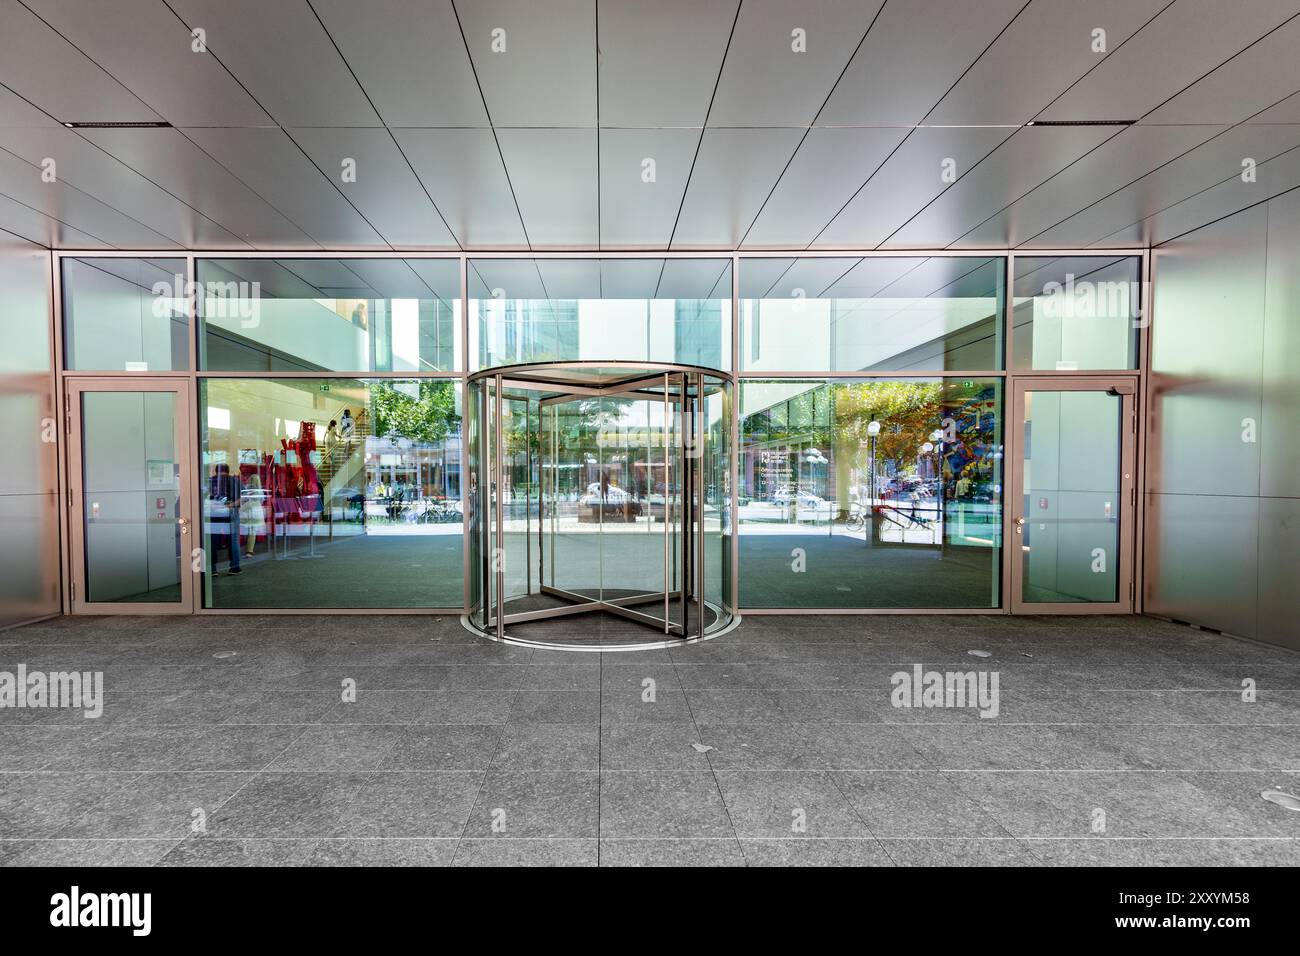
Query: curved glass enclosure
{"points": [[599, 489]]}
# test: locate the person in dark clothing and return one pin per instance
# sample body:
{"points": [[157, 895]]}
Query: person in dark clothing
{"points": [[225, 492]]}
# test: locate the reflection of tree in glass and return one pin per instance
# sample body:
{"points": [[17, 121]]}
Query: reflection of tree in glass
{"points": [[428, 416]]}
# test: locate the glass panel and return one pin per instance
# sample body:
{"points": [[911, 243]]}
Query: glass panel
{"points": [[29, 499], [879, 314], [634, 310], [1070, 546], [323, 493], [343, 315], [131, 481], [817, 530], [1077, 313], [125, 315]]}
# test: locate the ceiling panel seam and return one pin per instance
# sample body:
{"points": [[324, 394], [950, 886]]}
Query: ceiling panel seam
{"points": [[329, 179], [492, 126], [46, 215], [1215, 185], [384, 123], [904, 140], [1174, 159], [62, 120], [700, 142], [1121, 132], [831, 92]]}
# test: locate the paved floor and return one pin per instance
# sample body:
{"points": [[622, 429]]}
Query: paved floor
{"points": [[1118, 740]]}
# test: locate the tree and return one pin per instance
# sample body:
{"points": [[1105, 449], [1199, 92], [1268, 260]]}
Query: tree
{"points": [[429, 416]]}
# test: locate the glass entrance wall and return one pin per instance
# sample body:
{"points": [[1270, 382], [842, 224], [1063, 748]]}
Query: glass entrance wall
{"points": [[790, 338]]}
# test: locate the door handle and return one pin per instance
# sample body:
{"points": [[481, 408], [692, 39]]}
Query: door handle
{"points": [[185, 525], [1020, 525]]}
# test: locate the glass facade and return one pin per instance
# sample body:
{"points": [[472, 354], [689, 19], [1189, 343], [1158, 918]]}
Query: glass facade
{"points": [[602, 310], [331, 493], [125, 315], [870, 493], [336, 315], [1077, 312], [886, 314], [858, 422]]}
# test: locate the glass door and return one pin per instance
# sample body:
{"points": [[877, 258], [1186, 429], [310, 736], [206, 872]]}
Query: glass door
{"points": [[130, 495], [1074, 496]]}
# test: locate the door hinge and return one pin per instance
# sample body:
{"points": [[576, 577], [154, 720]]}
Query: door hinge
{"points": [[69, 499]]}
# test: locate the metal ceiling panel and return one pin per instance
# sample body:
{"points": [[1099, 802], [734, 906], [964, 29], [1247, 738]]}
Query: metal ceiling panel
{"points": [[545, 71], [909, 179], [282, 55], [410, 59], [16, 111], [1252, 81], [166, 157], [49, 71], [734, 173], [147, 49], [658, 67], [553, 172], [1119, 161], [35, 226], [1029, 158], [462, 170], [913, 55], [269, 162], [1286, 111], [1042, 53], [1274, 177], [765, 82], [634, 213], [21, 181], [1208, 164], [79, 163], [1185, 41], [386, 192], [827, 169]]}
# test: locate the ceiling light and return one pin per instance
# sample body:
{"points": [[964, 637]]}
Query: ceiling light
{"points": [[98, 124], [1109, 122]]}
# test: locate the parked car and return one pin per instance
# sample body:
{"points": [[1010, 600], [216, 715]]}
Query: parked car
{"points": [[617, 503]]}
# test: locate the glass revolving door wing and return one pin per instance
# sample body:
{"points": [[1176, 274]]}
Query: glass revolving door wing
{"points": [[599, 491]]}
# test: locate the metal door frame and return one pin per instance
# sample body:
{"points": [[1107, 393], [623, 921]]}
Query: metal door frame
{"points": [[74, 388], [1125, 387]]}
